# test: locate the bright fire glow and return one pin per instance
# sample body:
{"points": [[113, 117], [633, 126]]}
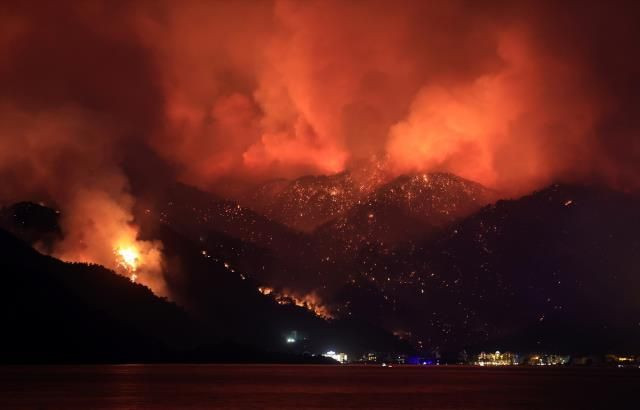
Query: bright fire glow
{"points": [[310, 301], [128, 258], [141, 262]]}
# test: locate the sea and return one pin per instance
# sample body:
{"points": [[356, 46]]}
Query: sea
{"points": [[316, 387]]}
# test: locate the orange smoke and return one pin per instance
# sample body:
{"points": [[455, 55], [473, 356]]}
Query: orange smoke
{"points": [[500, 129], [99, 230], [511, 94], [263, 90], [514, 95], [65, 156]]}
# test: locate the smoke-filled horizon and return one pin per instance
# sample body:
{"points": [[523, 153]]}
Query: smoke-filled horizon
{"points": [[514, 95]]}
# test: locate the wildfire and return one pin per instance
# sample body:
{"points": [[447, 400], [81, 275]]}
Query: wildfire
{"points": [[113, 243], [128, 258], [141, 262], [310, 301], [265, 290]]}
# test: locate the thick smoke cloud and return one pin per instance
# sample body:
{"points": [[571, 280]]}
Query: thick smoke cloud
{"points": [[73, 98], [514, 95]]}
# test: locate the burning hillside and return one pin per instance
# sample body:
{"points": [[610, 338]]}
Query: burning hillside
{"points": [[436, 97], [310, 301]]}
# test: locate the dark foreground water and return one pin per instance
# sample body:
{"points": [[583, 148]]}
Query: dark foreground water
{"points": [[299, 387]]}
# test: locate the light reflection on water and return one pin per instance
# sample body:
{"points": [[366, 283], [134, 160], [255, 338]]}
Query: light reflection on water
{"points": [[294, 387]]}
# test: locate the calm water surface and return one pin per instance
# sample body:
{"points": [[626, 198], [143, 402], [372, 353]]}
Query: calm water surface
{"points": [[315, 387]]}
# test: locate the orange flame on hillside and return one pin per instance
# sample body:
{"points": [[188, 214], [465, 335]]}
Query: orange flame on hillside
{"points": [[99, 229], [310, 301], [128, 258], [141, 262]]}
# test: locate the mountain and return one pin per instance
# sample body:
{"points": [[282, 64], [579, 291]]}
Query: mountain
{"points": [[227, 298], [191, 210], [34, 223], [348, 213], [68, 312], [427, 257], [56, 312], [407, 207], [228, 232], [213, 293], [310, 201], [555, 270]]}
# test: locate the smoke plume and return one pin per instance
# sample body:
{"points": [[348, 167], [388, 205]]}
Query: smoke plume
{"points": [[514, 95]]}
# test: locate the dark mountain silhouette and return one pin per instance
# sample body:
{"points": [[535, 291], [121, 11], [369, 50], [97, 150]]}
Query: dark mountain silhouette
{"points": [[407, 207], [56, 312], [255, 245], [215, 294], [69, 312], [226, 298], [358, 211], [223, 232], [307, 202], [278, 256], [310, 201], [407, 270], [191, 210], [553, 270], [34, 223]]}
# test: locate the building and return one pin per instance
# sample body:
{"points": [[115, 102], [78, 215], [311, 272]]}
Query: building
{"points": [[338, 357], [621, 360], [497, 359], [548, 360], [371, 357]]}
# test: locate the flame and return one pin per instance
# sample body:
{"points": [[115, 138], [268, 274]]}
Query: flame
{"points": [[128, 258], [309, 301], [114, 242], [141, 262], [265, 290]]}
